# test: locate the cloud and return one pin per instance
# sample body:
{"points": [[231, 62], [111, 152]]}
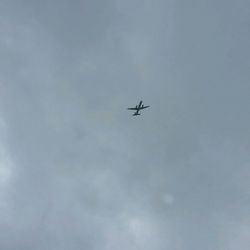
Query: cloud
{"points": [[77, 171]]}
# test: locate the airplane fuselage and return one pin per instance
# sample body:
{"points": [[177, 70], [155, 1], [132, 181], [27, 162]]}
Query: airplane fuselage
{"points": [[140, 104]]}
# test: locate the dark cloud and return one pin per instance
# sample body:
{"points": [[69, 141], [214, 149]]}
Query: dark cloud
{"points": [[77, 171]]}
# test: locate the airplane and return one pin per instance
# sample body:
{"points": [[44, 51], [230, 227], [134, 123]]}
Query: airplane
{"points": [[138, 107]]}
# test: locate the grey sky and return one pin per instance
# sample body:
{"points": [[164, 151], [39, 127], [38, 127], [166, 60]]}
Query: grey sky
{"points": [[77, 171]]}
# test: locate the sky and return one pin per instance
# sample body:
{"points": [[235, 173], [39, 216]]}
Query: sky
{"points": [[78, 171]]}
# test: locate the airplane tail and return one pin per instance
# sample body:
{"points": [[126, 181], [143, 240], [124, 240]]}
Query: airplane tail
{"points": [[136, 114]]}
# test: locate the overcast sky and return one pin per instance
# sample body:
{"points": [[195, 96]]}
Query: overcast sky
{"points": [[77, 171]]}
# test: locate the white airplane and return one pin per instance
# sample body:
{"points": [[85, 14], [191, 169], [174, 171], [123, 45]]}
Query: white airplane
{"points": [[138, 107]]}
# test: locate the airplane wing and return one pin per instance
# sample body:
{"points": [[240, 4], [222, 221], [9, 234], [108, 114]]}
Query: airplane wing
{"points": [[144, 107], [132, 108]]}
